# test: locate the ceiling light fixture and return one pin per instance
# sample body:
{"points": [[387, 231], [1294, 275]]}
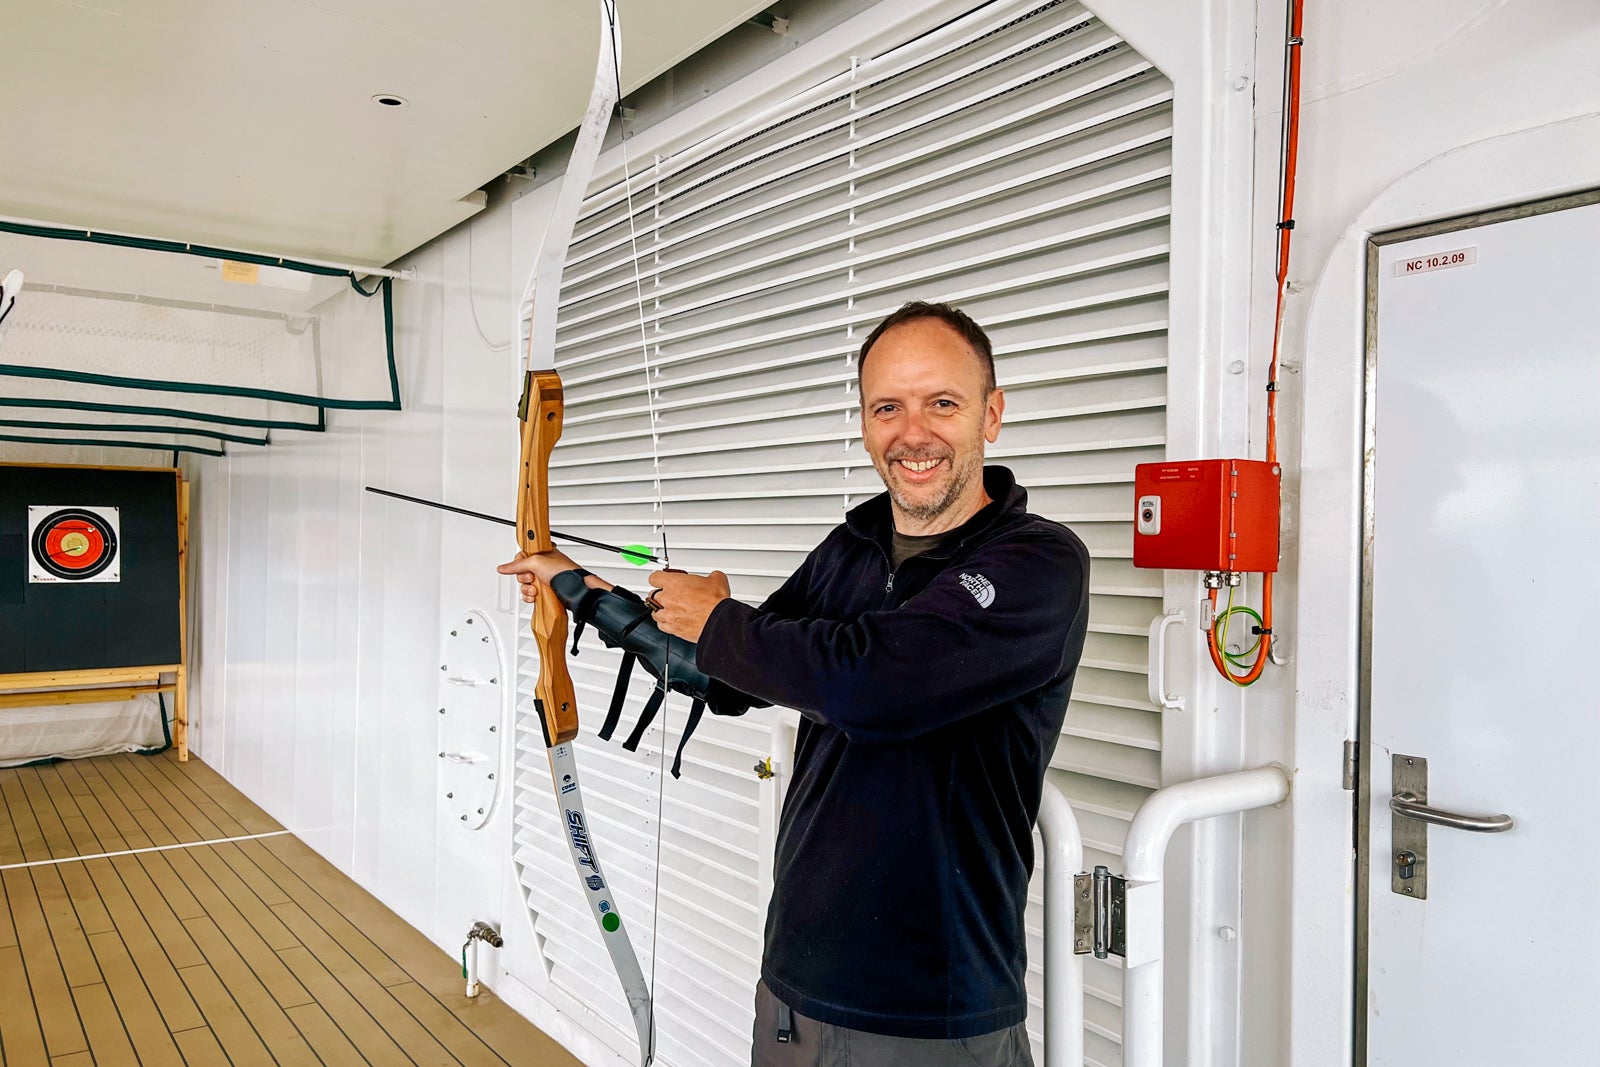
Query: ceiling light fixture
{"points": [[389, 100]]}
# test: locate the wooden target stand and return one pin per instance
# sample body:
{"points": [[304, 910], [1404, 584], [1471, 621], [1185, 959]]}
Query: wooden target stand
{"points": [[109, 684]]}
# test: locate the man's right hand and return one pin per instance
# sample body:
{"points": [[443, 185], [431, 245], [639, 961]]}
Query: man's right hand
{"points": [[682, 602]]}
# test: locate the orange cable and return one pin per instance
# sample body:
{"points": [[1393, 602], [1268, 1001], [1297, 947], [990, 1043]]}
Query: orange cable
{"points": [[1291, 159]]}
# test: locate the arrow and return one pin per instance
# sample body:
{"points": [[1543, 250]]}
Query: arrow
{"points": [[637, 555]]}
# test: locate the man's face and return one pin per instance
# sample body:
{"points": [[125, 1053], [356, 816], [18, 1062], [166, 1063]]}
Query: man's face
{"points": [[924, 420]]}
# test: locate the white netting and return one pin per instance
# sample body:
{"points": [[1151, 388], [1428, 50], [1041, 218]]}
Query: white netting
{"points": [[74, 423], [42, 398], [105, 333]]}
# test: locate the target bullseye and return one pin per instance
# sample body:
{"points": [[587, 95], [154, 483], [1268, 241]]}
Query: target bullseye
{"points": [[73, 544]]}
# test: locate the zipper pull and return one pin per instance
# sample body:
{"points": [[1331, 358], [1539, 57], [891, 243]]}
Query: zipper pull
{"points": [[889, 586]]}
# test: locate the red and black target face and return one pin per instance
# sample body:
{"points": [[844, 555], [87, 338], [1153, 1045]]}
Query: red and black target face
{"points": [[74, 544]]}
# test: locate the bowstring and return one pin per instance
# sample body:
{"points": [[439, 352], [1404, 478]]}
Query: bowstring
{"points": [[661, 504]]}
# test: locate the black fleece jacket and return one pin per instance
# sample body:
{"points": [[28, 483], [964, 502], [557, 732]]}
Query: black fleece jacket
{"points": [[931, 699]]}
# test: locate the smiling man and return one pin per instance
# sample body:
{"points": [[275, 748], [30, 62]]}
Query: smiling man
{"points": [[930, 644]]}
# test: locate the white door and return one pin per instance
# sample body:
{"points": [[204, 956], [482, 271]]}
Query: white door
{"points": [[1482, 641]]}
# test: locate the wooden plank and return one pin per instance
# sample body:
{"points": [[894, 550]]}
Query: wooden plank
{"points": [[324, 1035], [236, 937], [392, 1015], [52, 999], [243, 1046], [129, 890], [172, 891], [72, 948], [78, 679], [30, 838], [85, 897], [77, 1059], [494, 1024], [11, 849], [184, 821], [156, 827], [187, 819], [85, 840], [71, 772], [326, 894], [212, 794], [243, 952], [330, 915], [189, 802], [143, 1022], [265, 889], [21, 1040], [164, 824], [107, 1038], [370, 1038], [246, 985], [95, 768], [60, 697], [296, 1053], [157, 957], [130, 792], [258, 914], [200, 783], [199, 1047], [93, 811], [58, 840], [116, 808], [465, 1045], [8, 929]]}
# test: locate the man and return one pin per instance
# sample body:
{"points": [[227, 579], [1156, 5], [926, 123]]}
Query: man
{"points": [[929, 644]]}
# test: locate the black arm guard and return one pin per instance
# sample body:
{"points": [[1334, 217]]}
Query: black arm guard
{"points": [[623, 621]]}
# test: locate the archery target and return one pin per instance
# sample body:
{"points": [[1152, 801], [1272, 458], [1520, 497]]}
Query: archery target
{"points": [[73, 544]]}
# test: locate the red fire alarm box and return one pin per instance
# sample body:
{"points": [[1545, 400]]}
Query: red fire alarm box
{"points": [[1207, 515]]}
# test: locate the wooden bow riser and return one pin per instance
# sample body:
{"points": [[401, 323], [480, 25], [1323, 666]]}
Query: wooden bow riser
{"points": [[541, 429]]}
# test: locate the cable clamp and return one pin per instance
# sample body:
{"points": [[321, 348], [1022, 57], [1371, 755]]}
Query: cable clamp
{"points": [[1272, 387], [1295, 42], [1261, 631], [1286, 224]]}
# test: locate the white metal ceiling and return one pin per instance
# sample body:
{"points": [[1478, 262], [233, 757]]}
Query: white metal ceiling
{"points": [[250, 124]]}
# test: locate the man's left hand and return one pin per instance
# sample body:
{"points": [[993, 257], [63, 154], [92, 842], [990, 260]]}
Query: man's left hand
{"points": [[682, 602], [536, 570]]}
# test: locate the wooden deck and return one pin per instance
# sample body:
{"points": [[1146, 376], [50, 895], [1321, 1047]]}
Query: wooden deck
{"points": [[250, 952]]}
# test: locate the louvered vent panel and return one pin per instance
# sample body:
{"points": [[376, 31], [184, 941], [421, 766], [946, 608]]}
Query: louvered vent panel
{"points": [[1017, 163]]}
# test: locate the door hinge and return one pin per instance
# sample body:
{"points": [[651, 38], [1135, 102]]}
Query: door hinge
{"points": [[1100, 914], [1351, 764]]}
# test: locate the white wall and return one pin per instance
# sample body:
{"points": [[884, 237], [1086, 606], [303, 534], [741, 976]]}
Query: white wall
{"points": [[321, 607], [1413, 113]]}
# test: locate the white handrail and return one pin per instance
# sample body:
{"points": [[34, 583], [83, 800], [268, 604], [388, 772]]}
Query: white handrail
{"points": [[1063, 970], [1144, 855]]}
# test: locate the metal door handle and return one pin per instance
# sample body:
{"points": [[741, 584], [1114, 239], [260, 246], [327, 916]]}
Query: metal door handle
{"points": [[1408, 806], [1158, 662]]}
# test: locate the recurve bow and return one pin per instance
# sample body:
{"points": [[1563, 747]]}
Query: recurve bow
{"points": [[541, 415]]}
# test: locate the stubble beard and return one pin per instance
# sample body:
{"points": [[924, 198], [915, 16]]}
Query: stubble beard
{"points": [[964, 467]]}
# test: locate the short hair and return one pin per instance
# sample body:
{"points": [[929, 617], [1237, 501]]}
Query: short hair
{"points": [[953, 317]]}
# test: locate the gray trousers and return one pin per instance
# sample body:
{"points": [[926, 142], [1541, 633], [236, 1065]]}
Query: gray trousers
{"points": [[816, 1044]]}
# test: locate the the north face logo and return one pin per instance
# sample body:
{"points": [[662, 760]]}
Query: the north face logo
{"points": [[981, 588]]}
